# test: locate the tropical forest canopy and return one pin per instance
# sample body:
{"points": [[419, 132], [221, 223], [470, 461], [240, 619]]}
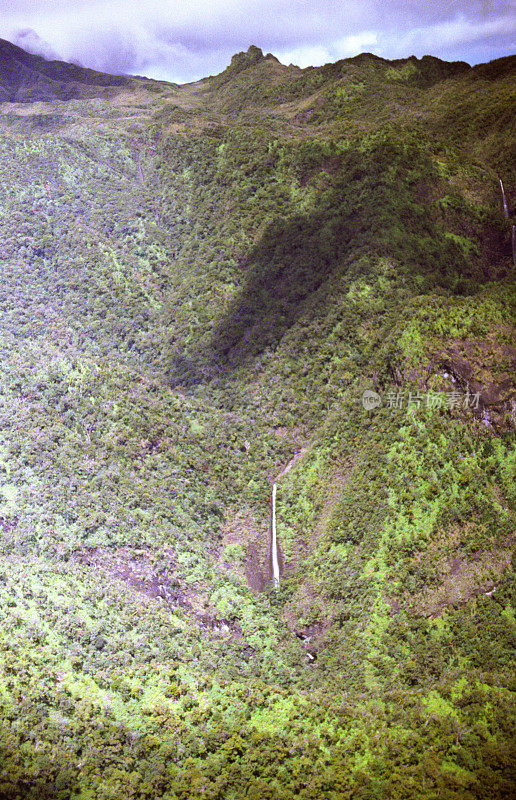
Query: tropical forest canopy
{"points": [[198, 284]]}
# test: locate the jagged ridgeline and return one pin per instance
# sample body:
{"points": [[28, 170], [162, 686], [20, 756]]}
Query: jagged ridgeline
{"points": [[198, 284]]}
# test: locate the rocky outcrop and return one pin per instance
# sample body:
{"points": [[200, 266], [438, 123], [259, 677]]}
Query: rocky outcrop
{"points": [[254, 55], [496, 392]]}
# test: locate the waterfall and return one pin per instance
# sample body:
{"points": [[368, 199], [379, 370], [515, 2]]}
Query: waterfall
{"points": [[274, 540], [504, 201], [274, 543], [506, 215]]}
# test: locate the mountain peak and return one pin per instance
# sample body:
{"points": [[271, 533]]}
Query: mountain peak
{"points": [[249, 58]]}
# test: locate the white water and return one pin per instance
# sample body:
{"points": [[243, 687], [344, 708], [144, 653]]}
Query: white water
{"points": [[274, 544], [504, 200], [506, 214], [274, 540]]}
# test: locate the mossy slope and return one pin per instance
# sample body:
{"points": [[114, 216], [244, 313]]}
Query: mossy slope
{"points": [[197, 283]]}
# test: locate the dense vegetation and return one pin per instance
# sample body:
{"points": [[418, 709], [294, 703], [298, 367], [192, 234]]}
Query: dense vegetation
{"points": [[199, 283]]}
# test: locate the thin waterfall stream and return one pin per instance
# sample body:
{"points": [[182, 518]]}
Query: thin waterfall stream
{"points": [[506, 215], [274, 541], [274, 536], [504, 200]]}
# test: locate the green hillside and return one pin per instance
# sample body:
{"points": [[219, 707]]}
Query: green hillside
{"points": [[198, 284]]}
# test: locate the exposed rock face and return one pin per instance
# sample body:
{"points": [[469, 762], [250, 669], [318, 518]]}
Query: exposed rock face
{"points": [[497, 394], [483, 369], [25, 78], [254, 55]]}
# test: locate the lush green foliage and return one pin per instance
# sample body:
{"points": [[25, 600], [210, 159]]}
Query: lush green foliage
{"points": [[198, 283]]}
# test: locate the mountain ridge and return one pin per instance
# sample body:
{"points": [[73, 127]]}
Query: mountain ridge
{"points": [[27, 78], [198, 283]]}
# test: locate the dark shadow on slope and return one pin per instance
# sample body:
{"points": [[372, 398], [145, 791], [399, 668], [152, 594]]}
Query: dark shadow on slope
{"points": [[289, 265], [372, 208]]}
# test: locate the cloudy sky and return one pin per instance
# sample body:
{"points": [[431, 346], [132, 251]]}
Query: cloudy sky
{"points": [[182, 40]]}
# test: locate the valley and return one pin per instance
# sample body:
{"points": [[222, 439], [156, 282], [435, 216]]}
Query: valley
{"points": [[198, 285]]}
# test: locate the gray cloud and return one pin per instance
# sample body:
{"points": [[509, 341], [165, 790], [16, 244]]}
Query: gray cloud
{"points": [[32, 43], [182, 41]]}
